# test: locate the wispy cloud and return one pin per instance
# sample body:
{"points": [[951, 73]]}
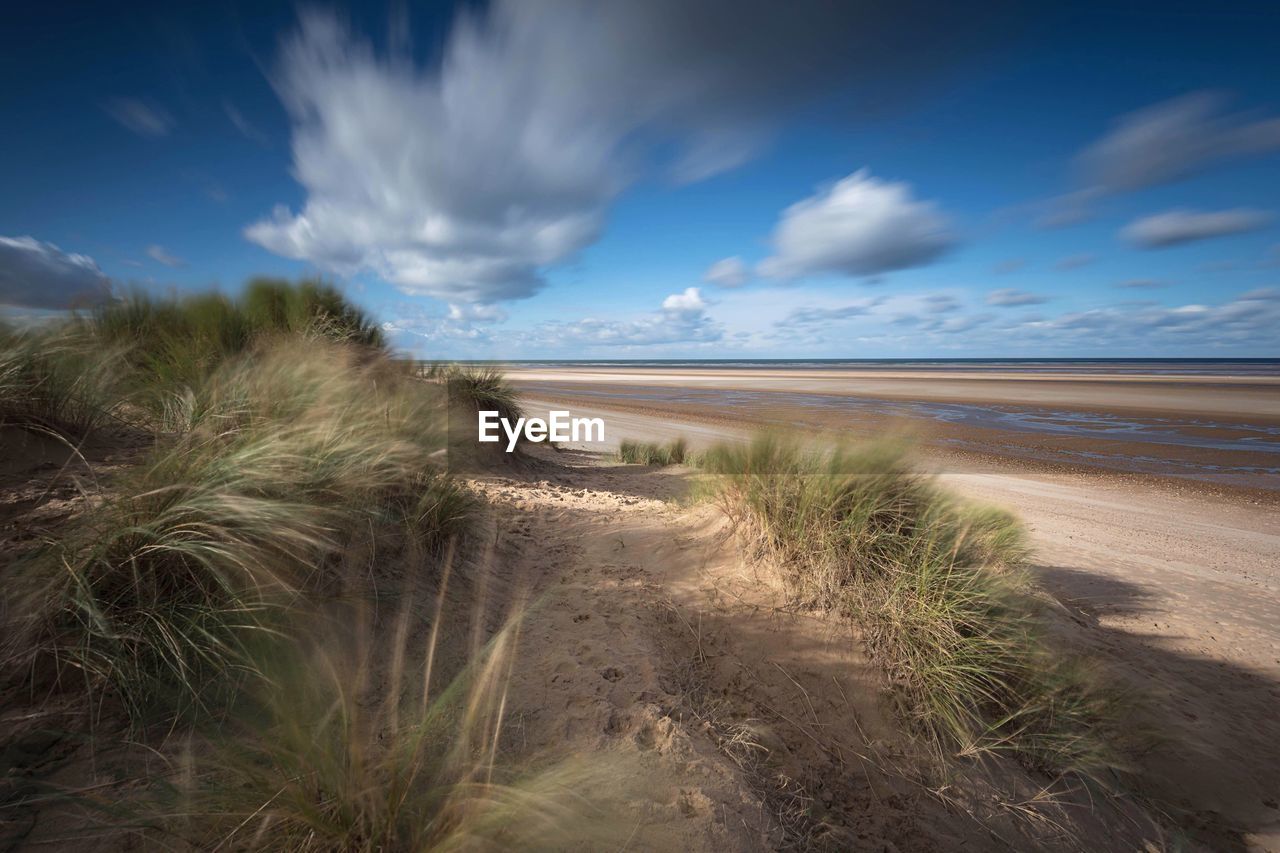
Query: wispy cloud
{"points": [[142, 118], [1073, 262], [1141, 284], [727, 272], [161, 256], [1175, 227], [1009, 297], [804, 319], [246, 128], [1175, 139]]}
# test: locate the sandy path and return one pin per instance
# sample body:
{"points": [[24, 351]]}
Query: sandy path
{"points": [[1184, 596], [730, 721], [723, 720], [1179, 592]]}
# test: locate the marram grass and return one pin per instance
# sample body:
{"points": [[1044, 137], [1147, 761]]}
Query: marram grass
{"points": [[268, 477], [938, 589], [674, 452]]}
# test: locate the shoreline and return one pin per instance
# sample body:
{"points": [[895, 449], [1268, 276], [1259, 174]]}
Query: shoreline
{"points": [[702, 427], [1255, 398]]}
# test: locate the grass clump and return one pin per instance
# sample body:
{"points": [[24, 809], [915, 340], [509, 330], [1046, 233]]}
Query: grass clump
{"points": [[269, 475], [938, 589], [476, 389], [353, 743], [179, 341], [59, 380], [279, 470], [674, 452]]}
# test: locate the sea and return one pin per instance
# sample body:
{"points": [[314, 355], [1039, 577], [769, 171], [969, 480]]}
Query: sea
{"points": [[1101, 366]]}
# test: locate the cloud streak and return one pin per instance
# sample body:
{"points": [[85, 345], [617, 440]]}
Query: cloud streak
{"points": [[140, 117], [727, 272], [1009, 297], [1173, 140], [1176, 227], [161, 256]]}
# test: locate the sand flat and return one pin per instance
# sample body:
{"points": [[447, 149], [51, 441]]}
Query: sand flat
{"points": [[1251, 396]]}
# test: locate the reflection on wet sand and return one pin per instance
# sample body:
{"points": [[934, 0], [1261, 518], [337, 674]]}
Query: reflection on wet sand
{"points": [[1211, 449]]}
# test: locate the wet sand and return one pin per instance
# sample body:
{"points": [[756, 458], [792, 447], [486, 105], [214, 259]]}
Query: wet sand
{"points": [[1218, 433], [1249, 395]]}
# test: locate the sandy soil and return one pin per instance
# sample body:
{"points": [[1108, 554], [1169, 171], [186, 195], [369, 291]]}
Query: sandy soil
{"points": [[654, 645], [1178, 592], [726, 720]]}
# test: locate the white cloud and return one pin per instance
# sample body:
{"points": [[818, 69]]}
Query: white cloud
{"points": [[682, 303], [1176, 227], [140, 117], [1175, 139], [682, 320], [1009, 297], [859, 226], [727, 272], [472, 314], [464, 323], [35, 274], [161, 256], [467, 178]]}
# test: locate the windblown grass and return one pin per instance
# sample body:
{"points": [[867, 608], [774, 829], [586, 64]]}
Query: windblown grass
{"points": [[276, 469], [353, 743], [938, 590], [674, 452], [180, 341], [474, 389], [58, 380]]}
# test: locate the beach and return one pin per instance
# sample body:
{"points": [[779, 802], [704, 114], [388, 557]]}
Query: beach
{"points": [[1215, 433], [1165, 568]]}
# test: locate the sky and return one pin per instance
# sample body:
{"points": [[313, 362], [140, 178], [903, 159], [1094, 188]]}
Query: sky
{"points": [[665, 179]]}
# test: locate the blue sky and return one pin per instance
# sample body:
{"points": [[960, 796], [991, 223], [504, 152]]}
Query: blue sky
{"points": [[564, 179]]}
